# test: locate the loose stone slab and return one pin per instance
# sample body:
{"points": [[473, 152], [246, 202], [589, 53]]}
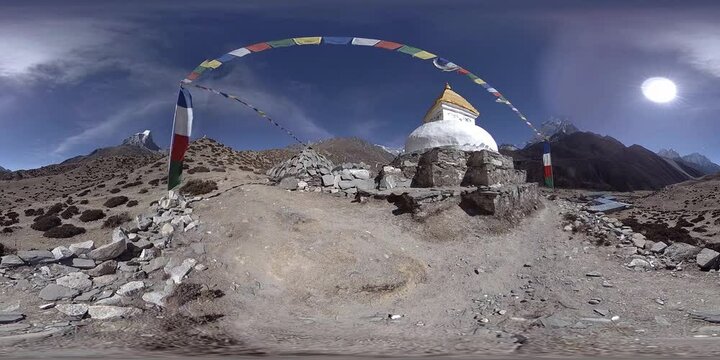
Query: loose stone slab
{"points": [[109, 251], [76, 280], [104, 312], [54, 292], [11, 261], [82, 247], [76, 311], [10, 317], [36, 256]]}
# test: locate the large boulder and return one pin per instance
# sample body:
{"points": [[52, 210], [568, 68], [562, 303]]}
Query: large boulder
{"points": [[707, 259], [679, 252], [109, 251]]}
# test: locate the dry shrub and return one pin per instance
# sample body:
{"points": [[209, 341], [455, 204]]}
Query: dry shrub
{"points": [[46, 223], [198, 169], [114, 191], [70, 212], [198, 187], [115, 201], [54, 209], [91, 215], [64, 231], [116, 220], [131, 203], [84, 202]]}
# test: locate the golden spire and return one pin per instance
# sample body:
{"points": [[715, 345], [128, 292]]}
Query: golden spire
{"points": [[451, 97]]}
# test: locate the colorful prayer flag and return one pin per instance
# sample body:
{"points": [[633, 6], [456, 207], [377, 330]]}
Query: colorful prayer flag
{"points": [[313, 40], [182, 128]]}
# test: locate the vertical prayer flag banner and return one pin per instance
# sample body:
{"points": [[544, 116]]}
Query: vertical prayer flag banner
{"points": [[547, 164], [182, 128]]}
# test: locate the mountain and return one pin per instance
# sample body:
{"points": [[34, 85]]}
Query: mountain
{"points": [[508, 147], [142, 140], [668, 153], [554, 127], [702, 163], [4, 170], [140, 144], [394, 151], [590, 161], [697, 163]]}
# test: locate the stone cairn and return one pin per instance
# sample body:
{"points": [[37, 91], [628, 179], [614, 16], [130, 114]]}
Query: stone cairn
{"points": [[310, 171], [107, 281], [639, 252], [484, 180]]}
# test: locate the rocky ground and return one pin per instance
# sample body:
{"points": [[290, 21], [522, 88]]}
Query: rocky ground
{"points": [[235, 266]]}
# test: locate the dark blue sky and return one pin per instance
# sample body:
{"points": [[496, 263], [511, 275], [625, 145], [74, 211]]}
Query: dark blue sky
{"points": [[80, 75]]}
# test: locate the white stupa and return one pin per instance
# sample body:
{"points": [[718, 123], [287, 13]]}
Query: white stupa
{"points": [[450, 123]]}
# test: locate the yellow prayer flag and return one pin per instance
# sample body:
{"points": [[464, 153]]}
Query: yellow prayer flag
{"points": [[314, 40], [424, 55], [214, 64]]}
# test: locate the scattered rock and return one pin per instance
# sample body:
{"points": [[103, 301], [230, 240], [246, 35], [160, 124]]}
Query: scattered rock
{"points": [[707, 259], [105, 268], [678, 252], [54, 292], [87, 296], [658, 247], [11, 261], [82, 248], [75, 280], [178, 273], [594, 301], [33, 257], [131, 288], [9, 318], [109, 251], [593, 274], [167, 230], [105, 280], [76, 311], [105, 312], [639, 264], [83, 263], [61, 253], [154, 264], [119, 235], [47, 306]]}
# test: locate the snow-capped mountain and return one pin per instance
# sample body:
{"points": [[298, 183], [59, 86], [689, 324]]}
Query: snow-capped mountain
{"points": [[508, 147], [4, 170], [143, 140], [668, 153], [694, 161], [554, 127], [702, 163], [394, 151]]}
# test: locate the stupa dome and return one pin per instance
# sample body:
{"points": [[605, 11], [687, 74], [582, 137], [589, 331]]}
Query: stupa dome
{"points": [[450, 122]]}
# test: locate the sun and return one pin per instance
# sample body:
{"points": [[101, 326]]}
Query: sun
{"points": [[659, 89]]}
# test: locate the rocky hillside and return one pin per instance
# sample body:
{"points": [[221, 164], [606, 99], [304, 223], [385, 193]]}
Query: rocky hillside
{"points": [[338, 150], [590, 161]]}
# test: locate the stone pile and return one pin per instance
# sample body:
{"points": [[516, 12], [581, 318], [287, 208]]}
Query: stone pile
{"points": [[640, 252], [306, 166], [106, 281], [310, 171]]}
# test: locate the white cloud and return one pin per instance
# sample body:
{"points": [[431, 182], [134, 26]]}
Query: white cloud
{"points": [[110, 126]]}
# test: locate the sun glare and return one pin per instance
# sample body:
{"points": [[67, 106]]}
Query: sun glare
{"points": [[659, 89]]}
